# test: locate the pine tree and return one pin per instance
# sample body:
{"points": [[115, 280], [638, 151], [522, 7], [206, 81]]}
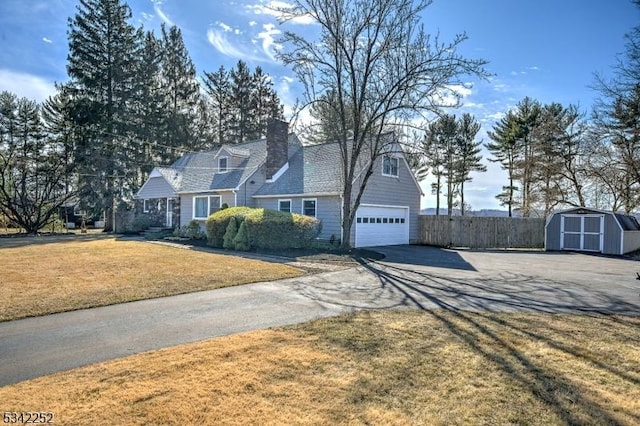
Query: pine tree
{"points": [[103, 47], [243, 103], [218, 88], [469, 154], [182, 93], [504, 149], [150, 107]]}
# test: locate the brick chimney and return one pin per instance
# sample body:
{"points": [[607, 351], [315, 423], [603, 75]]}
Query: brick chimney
{"points": [[277, 146]]}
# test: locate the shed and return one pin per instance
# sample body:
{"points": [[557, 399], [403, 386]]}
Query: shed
{"points": [[592, 230]]}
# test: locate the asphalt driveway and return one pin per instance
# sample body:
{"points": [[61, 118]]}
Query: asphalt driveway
{"points": [[408, 278]]}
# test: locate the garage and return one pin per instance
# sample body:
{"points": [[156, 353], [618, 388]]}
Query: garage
{"points": [[592, 230], [381, 226]]}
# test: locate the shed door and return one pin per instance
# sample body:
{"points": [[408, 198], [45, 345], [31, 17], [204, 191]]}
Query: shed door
{"points": [[582, 232]]}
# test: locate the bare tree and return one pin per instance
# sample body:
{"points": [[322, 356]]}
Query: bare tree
{"points": [[383, 66], [32, 170]]}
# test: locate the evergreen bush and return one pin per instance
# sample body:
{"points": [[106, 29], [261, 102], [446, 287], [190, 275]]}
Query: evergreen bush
{"points": [[230, 235], [241, 240]]}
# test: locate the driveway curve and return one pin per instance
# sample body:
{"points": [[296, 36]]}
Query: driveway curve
{"points": [[409, 277]]}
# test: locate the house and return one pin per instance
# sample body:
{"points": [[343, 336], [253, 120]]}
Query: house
{"points": [[592, 230], [281, 173]]}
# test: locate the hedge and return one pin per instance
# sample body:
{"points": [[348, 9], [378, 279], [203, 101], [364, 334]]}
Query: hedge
{"points": [[217, 223], [267, 229]]}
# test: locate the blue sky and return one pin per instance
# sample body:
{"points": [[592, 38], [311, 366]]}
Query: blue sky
{"points": [[545, 49]]}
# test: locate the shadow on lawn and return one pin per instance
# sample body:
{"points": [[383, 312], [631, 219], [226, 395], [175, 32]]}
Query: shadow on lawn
{"points": [[464, 298]]}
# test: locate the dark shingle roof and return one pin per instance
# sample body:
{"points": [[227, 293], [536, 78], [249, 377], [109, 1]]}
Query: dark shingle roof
{"points": [[198, 169], [312, 170]]}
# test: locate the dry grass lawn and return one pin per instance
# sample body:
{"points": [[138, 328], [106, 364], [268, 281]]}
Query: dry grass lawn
{"points": [[44, 278], [436, 368]]}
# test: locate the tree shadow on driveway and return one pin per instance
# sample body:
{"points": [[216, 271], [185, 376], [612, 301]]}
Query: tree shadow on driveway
{"points": [[465, 297], [469, 305]]}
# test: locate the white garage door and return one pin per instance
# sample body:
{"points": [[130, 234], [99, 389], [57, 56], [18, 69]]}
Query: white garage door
{"points": [[382, 226]]}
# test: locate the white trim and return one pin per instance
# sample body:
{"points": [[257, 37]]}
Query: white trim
{"points": [[155, 173], [286, 200], [226, 169], [145, 206], [582, 232], [169, 215], [209, 197], [309, 195], [315, 200], [235, 198], [279, 173]]}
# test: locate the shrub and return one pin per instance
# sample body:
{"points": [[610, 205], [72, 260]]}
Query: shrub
{"points": [[230, 235], [194, 231], [224, 206], [266, 229], [273, 230], [217, 224], [241, 240], [140, 223]]}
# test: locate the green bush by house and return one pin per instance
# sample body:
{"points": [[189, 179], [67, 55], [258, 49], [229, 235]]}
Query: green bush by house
{"points": [[266, 229], [218, 222], [232, 231]]}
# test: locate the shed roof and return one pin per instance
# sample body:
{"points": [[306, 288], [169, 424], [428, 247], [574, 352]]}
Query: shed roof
{"points": [[627, 222]]}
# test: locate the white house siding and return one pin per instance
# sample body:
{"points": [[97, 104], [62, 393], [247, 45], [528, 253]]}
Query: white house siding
{"points": [[156, 187], [186, 204], [393, 191], [327, 210]]}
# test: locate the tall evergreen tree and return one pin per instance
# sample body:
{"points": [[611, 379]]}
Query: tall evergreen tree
{"points": [[218, 87], [149, 110], [469, 154], [243, 103], [504, 149], [103, 47], [182, 93]]}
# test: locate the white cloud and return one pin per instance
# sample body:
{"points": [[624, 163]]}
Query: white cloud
{"points": [[226, 28], [253, 23], [47, 40], [26, 85], [268, 42], [146, 16], [162, 15], [235, 50], [278, 9]]}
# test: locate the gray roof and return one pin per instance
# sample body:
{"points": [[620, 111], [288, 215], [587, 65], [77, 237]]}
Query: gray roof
{"points": [[313, 169], [198, 170]]}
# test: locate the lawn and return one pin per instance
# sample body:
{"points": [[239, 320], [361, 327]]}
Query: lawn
{"points": [[369, 368], [56, 275]]}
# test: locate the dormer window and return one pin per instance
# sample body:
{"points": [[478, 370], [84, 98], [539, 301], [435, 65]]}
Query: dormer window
{"points": [[222, 164]]}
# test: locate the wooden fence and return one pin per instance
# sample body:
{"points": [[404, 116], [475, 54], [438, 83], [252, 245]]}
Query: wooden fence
{"points": [[482, 232]]}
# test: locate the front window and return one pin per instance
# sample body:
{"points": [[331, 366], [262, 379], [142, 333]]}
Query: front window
{"points": [[309, 207], [145, 206], [284, 206], [222, 164], [205, 206], [389, 166]]}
